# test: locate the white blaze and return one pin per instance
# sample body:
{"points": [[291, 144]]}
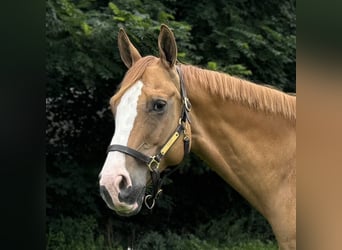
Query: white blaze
{"points": [[124, 120]]}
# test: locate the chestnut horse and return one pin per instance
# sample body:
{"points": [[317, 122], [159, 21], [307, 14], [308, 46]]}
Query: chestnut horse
{"points": [[245, 132]]}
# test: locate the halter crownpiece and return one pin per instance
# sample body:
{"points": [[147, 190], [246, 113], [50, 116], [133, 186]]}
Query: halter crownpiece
{"points": [[153, 162]]}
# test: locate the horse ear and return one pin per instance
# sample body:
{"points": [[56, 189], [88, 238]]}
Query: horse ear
{"points": [[167, 46], [128, 53]]}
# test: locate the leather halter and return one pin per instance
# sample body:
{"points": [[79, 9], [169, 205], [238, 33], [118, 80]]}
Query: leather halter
{"points": [[153, 162]]}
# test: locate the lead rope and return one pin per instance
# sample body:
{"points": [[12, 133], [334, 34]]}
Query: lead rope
{"points": [[157, 183]]}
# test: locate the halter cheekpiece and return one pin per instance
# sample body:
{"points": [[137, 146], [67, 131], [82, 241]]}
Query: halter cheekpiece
{"points": [[153, 162]]}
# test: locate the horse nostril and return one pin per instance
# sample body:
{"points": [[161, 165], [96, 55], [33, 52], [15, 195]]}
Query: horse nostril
{"points": [[125, 189], [121, 183]]}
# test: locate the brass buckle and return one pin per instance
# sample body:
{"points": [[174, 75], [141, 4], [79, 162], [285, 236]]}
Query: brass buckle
{"points": [[153, 164]]}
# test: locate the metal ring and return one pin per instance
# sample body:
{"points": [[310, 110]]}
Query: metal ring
{"points": [[147, 197]]}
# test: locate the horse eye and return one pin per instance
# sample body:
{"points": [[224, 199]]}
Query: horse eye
{"points": [[159, 106]]}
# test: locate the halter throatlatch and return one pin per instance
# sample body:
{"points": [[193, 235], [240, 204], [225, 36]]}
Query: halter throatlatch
{"points": [[153, 162]]}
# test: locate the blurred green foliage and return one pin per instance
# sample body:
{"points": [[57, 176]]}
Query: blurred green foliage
{"points": [[67, 233]]}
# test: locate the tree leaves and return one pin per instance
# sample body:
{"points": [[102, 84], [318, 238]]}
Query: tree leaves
{"points": [[258, 35]]}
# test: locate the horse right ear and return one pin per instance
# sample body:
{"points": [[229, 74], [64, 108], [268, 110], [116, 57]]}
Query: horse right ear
{"points": [[167, 46], [128, 53]]}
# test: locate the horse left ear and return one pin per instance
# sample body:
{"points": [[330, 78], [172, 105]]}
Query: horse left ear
{"points": [[167, 46]]}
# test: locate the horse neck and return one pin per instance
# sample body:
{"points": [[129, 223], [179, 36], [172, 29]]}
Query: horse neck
{"points": [[251, 150]]}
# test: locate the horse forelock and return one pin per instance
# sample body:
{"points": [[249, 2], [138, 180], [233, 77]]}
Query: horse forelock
{"points": [[132, 76], [254, 96]]}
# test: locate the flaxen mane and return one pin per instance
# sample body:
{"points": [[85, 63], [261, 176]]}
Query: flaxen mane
{"points": [[254, 96]]}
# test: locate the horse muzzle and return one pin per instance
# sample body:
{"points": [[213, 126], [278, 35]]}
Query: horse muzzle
{"points": [[124, 199]]}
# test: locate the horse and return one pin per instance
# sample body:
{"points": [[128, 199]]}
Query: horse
{"points": [[244, 131]]}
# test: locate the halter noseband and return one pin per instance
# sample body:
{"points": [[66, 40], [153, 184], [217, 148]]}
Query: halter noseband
{"points": [[153, 162]]}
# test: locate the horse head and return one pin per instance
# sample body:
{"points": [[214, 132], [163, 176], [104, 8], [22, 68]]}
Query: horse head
{"points": [[151, 114]]}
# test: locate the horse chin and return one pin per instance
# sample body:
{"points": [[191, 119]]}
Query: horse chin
{"points": [[130, 210]]}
